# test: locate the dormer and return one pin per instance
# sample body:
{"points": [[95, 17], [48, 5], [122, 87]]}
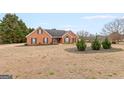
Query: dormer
{"points": [[39, 30]]}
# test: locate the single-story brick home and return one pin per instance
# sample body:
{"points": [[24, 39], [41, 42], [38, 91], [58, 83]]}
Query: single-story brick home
{"points": [[50, 36]]}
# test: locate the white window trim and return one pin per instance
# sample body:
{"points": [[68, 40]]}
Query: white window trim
{"points": [[45, 40], [33, 40]]}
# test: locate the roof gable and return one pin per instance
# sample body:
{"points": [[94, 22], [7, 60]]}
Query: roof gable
{"points": [[53, 32], [56, 33], [39, 28]]}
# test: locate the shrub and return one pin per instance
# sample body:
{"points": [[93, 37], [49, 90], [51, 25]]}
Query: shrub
{"points": [[81, 45], [96, 45], [106, 44]]}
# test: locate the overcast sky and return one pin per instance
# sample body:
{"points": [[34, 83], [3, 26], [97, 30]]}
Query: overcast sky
{"points": [[92, 22]]}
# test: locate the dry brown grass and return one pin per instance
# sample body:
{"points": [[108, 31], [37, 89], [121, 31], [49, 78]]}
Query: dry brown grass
{"points": [[61, 61]]}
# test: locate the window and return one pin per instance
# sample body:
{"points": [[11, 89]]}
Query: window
{"points": [[45, 40], [33, 40], [67, 40], [39, 31]]}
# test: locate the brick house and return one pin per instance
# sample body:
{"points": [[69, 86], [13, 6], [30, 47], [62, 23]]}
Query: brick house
{"points": [[115, 37], [50, 36]]}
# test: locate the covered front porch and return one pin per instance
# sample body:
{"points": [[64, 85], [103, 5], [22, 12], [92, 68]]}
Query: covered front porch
{"points": [[56, 40]]}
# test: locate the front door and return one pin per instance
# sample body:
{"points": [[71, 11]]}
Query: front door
{"points": [[56, 40]]}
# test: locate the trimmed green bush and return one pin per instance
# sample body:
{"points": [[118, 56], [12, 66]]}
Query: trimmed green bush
{"points": [[96, 45], [81, 45], [106, 44]]}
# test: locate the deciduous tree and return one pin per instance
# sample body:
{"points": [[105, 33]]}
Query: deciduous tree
{"points": [[114, 26]]}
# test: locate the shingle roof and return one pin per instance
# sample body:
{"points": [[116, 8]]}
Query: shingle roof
{"points": [[55, 33]]}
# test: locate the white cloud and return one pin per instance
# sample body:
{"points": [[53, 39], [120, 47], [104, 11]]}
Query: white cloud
{"points": [[68, 27], [98, 17], [122, 17]]}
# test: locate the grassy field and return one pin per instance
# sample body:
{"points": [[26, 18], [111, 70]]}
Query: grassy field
{"points": [[61, 61]]}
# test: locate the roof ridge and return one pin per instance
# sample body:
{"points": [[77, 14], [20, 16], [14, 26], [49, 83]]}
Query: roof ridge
{"points": [[57, 30]]}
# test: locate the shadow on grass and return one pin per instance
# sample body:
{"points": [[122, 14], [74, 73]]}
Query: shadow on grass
{"points": [[20, 46], [34, 45], [90, 51]]}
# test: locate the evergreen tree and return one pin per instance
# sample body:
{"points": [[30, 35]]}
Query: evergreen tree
{"points": [[13, 29], [96, 45], [81, 45], [30, 29], [106, 44]]}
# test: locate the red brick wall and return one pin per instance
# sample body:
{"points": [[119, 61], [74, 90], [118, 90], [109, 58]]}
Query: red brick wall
{"points": [[39, 38], [74, 36], [71, 37]]}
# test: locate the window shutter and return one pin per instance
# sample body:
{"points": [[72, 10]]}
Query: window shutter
{"points": [[43, 40]]}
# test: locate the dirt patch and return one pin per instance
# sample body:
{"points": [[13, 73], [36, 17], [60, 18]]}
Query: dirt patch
{"points": [[61, 61]]}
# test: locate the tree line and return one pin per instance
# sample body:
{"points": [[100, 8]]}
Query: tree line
{"points": [[14, 30]]}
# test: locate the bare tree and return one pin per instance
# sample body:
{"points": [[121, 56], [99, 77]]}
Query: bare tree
{"points": [[83, 34], [86, 35], [115, 26]]}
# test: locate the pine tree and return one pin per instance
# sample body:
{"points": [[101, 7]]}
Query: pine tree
{"points": [[96, 45], [106, 44], [13, 29], [81, 45]]}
